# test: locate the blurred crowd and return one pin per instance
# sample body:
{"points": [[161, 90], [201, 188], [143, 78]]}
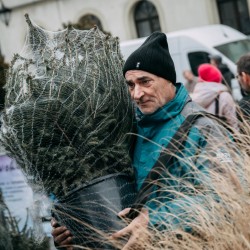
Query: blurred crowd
{"points": [[212, 89]]}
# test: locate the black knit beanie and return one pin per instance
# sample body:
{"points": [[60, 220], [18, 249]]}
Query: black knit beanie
{"points": [[153, 57]]}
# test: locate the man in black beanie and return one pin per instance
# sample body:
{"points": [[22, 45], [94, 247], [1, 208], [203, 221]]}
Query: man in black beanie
{"points": [[151, 62], [162, 105]]}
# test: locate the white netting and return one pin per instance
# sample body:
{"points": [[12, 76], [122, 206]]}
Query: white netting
{"points": [[67, 110]]}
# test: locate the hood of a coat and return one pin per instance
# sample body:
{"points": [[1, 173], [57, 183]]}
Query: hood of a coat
{"points": [[206, 92], [168, 111]]}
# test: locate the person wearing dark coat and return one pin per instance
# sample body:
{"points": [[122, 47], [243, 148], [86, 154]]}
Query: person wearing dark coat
{"points": [[216, 60], [243, 69]]}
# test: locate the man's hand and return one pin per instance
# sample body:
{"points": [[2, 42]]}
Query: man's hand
{"points": [[137, 230], [61, 235]]}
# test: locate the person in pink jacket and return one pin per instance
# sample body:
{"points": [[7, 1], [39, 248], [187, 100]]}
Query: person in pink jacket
{"points": [[214, 96]]}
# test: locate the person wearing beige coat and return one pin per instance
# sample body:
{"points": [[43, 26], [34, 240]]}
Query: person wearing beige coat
{"points": [[208, 89]]}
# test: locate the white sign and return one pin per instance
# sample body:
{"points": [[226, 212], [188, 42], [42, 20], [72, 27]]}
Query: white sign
{"points": [[17, 195]]}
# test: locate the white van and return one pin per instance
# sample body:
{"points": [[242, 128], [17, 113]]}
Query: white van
{"points": [[191, 47]]}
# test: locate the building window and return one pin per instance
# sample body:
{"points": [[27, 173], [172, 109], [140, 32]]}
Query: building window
{"points": [[235, 13], [88, 21], [146, 19]]}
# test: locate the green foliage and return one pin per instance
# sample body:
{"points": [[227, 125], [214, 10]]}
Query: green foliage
{"points": [[13, 238], [28, 242]]}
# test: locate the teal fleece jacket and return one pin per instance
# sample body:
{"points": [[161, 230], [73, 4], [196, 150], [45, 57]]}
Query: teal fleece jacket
{"points": [[174, 198]]}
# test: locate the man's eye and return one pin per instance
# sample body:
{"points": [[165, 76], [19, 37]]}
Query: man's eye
{"points": [[130, 84], [145, 81]]}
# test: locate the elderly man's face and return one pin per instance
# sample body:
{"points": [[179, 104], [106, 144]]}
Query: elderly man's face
{"points": [[150, 92]]}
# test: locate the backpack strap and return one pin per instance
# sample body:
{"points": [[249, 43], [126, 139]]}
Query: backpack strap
{"points": [[217, 110], [165, 159], [217, 105]]}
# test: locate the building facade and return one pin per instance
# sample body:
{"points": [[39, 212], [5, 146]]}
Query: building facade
{"points": [[127, 19]]}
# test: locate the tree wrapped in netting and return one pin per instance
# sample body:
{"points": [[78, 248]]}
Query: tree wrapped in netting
{"points": [[67, 111], [67, 120]]}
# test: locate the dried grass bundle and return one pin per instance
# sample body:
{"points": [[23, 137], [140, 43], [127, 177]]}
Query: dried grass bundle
{"points": [[214, 215]]}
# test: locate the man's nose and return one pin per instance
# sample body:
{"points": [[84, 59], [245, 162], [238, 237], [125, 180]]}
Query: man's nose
{"points": [[138, 92]]}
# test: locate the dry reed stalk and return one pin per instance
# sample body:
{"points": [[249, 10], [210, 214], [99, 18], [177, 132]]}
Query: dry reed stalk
{"points": [[222, 220]]}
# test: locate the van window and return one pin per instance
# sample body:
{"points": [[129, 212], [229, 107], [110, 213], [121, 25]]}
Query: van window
{"points": [[234, 50], [196, 58]]}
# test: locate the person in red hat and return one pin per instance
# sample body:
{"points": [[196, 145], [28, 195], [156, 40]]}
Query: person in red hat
{"points": [[214, 96]]}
